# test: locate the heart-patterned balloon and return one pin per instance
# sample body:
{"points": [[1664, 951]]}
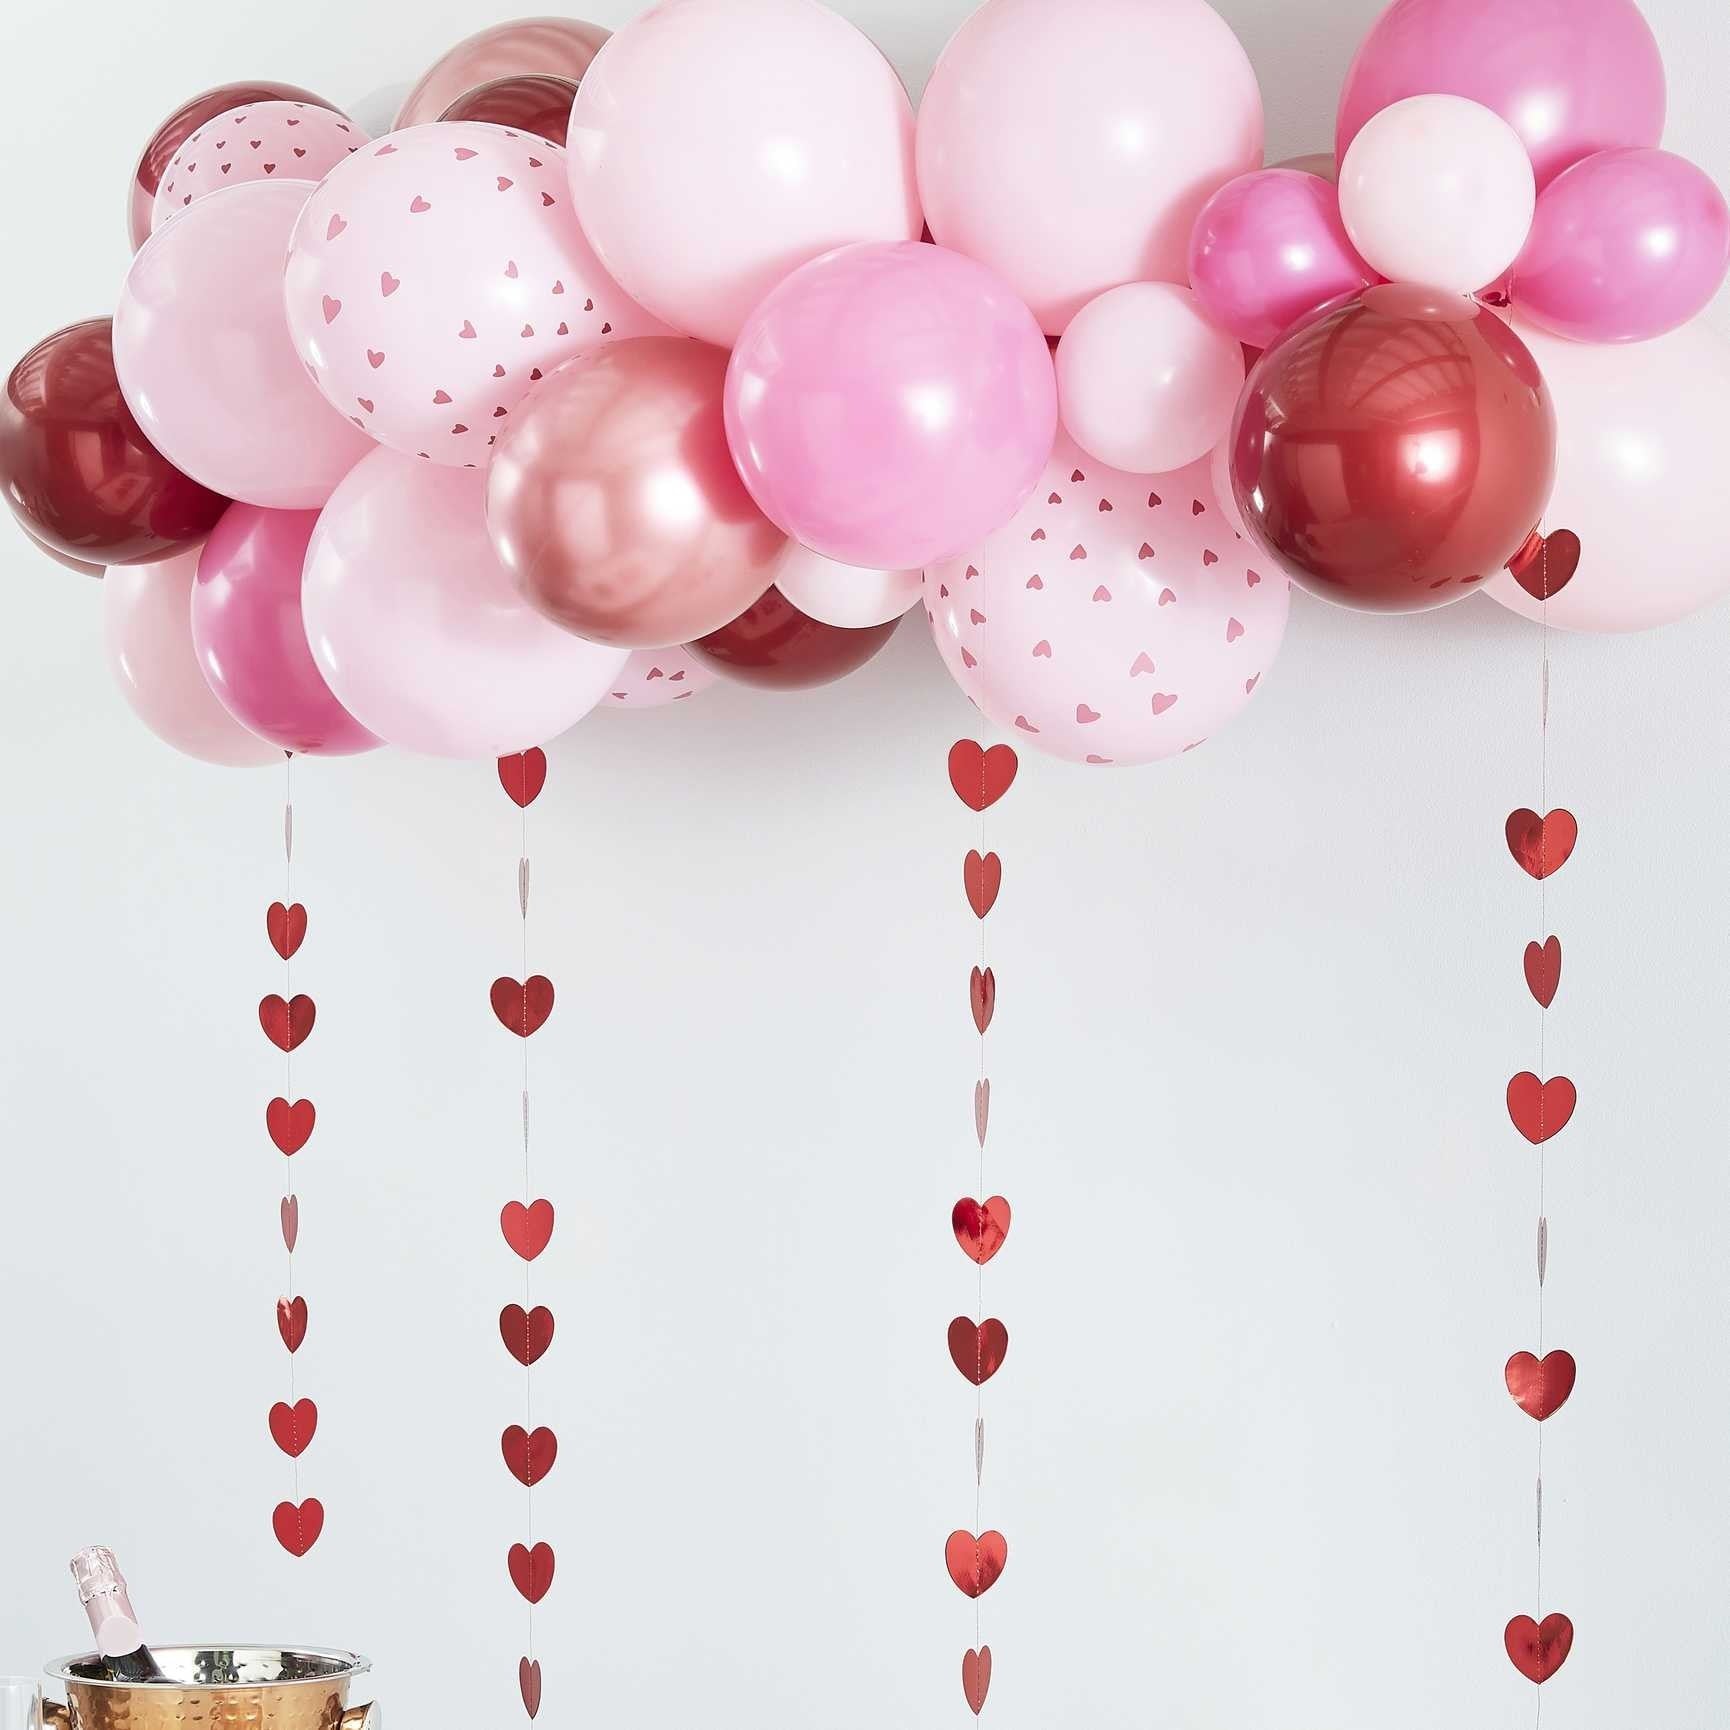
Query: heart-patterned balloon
{"points": [[529, 1456], [524, 775], [1540, 1109], [1542, 845], [978, 1350], [286, 1024], [657, 678], [980, 1226], [982, 878], [531, 1570], [259, 141], [1544, 969], [980, 777], [291, 1321], [528, 1230], [982, 995], [290, 1126], [526, 1333], [292, 1427], [297, 1528], [286, 928], [523, 1005], [976, 1678], [975, 1563], [1539, 1649], [1540, 1386]]}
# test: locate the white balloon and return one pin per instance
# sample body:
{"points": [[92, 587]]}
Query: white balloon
{"points": [[845, 595]]}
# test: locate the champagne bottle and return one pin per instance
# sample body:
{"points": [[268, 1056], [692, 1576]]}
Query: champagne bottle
{"points": [[119, 1644]]}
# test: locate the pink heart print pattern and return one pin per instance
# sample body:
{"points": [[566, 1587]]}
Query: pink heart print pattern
{"points": [[460, 277], [656, 678], [262, 141]]}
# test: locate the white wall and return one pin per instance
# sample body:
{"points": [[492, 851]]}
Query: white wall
{"points": [[1273, 1233]]}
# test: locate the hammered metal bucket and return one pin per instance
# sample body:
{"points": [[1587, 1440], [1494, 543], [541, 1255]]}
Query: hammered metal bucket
{"points": [[215, 1688]]}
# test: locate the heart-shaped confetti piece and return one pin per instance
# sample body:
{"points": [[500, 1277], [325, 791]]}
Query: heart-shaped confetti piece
{"points": [[983, 878], [1539, 1649], [292, 1427], [1540, 1109], [528, 1230], [978, 1350], [1541, 846], [976, 1563], [529, 1457], [980, 777], [526, 1333], [523, 1006], [286, 927], [286, 1024], [531, 1570], [291, 1321], [290, 1126], [1540, 1386], [980, 1226], [524, 775], [297, 1528], [976, 1678], [1544, 969]]}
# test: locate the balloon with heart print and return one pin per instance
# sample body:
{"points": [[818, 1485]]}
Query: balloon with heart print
{"points": [[656, 679], [435, 275], [1116, 619], [259, 141]]}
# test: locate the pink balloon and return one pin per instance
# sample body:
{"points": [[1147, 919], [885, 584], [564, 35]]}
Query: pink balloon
{"points": [[1111, 636], [262, 141], [1269, 248], [1641, 457], [890, 405], [1071, 145], [717, 145], [420, 630], [525, 47], [436, 275], [1570, 76], [1146, 382], [657, 678], [844, 595], [147, 623], [247, 629], [1626, 245], [204, 357]]}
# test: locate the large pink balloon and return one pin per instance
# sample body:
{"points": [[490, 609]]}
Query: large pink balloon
{"points": [[1118, 635], [420, 630], [891, 405], [1270, 247], [436, 275], [1626, 245], [247, 629], [717, 145], [1642, 451], [147, 623], [525, 47], [1069, 144], [205, 361], [1570, 76]]}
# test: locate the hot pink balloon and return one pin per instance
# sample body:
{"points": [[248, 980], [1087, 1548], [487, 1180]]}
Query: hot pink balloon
{"points": [[524, 47], [890, 405], [205, 361], [1625, 246], [436, 275], [1572, 77], [262, 141], [147, 623], [1270, 247], [247, 630], [1111, 636], [718, 144], [656, 679], [420, 630]]}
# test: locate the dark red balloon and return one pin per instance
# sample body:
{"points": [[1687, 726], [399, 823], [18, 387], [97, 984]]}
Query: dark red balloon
{"points": [[536, 102], [774, 645], [78, 473], [181, 125], [1395, 449]]}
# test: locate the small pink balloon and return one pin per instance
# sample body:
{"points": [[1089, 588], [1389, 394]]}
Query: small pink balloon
{"points": [[251, 644], [890, 405], [147, 623], [436, 275], [656, 679], [263, 141], [844, 595], [421, 632], [205, 361], [553, 47], [1111, 635], [1146, 382], [1269, 248], [1625, 246]]}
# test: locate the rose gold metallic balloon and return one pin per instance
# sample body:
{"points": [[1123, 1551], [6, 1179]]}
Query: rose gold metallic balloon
{"points": [[540, 104], [613, 500], [558, 47]]}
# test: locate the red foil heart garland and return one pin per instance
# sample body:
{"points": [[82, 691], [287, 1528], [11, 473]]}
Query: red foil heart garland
{"points": [[1539, 1649]]}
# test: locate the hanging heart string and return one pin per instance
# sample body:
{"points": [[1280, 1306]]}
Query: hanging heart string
{"points": [[522, 1006], [287, 1020], [1540, 1108], [978, 1344]]}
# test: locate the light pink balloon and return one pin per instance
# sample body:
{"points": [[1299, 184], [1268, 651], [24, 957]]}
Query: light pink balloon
{"points": [[1069, 144], [1111, 636], [420, 631], [844, 595], [205, 361], [1146, 381], [436, 275], [890, 405], [1641, 458], [717, 145], [263, 141], [656, 679], [147, 625]]}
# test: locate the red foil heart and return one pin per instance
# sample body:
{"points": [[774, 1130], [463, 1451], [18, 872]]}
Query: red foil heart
{"points": [[524, 775], [529, 1680], [526, 1333], [1540, 1386], [290, 1212], [1541, 845], [982, 995], [975, 1563], [1540, 1109], [1539, 1650], [524, 1006], [529, 1456], [532, 1570], [297, 1528], [1545, 565], [291, 1321], [978, 1350], [1544, 969], [528, 1230], [286, 927], [982, 879], [290, 1126], [976, 1678], [980, 777], [293, 1427], [980, 1226], [286, 1025]]}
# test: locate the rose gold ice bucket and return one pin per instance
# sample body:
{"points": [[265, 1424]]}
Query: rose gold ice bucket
{"points": [[215, 1688]]}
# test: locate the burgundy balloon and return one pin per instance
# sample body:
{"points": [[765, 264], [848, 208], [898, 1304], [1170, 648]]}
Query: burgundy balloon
{"points": [[180, 126], [78, 472], [540, 104], [774, 645], [1395, 449]]}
